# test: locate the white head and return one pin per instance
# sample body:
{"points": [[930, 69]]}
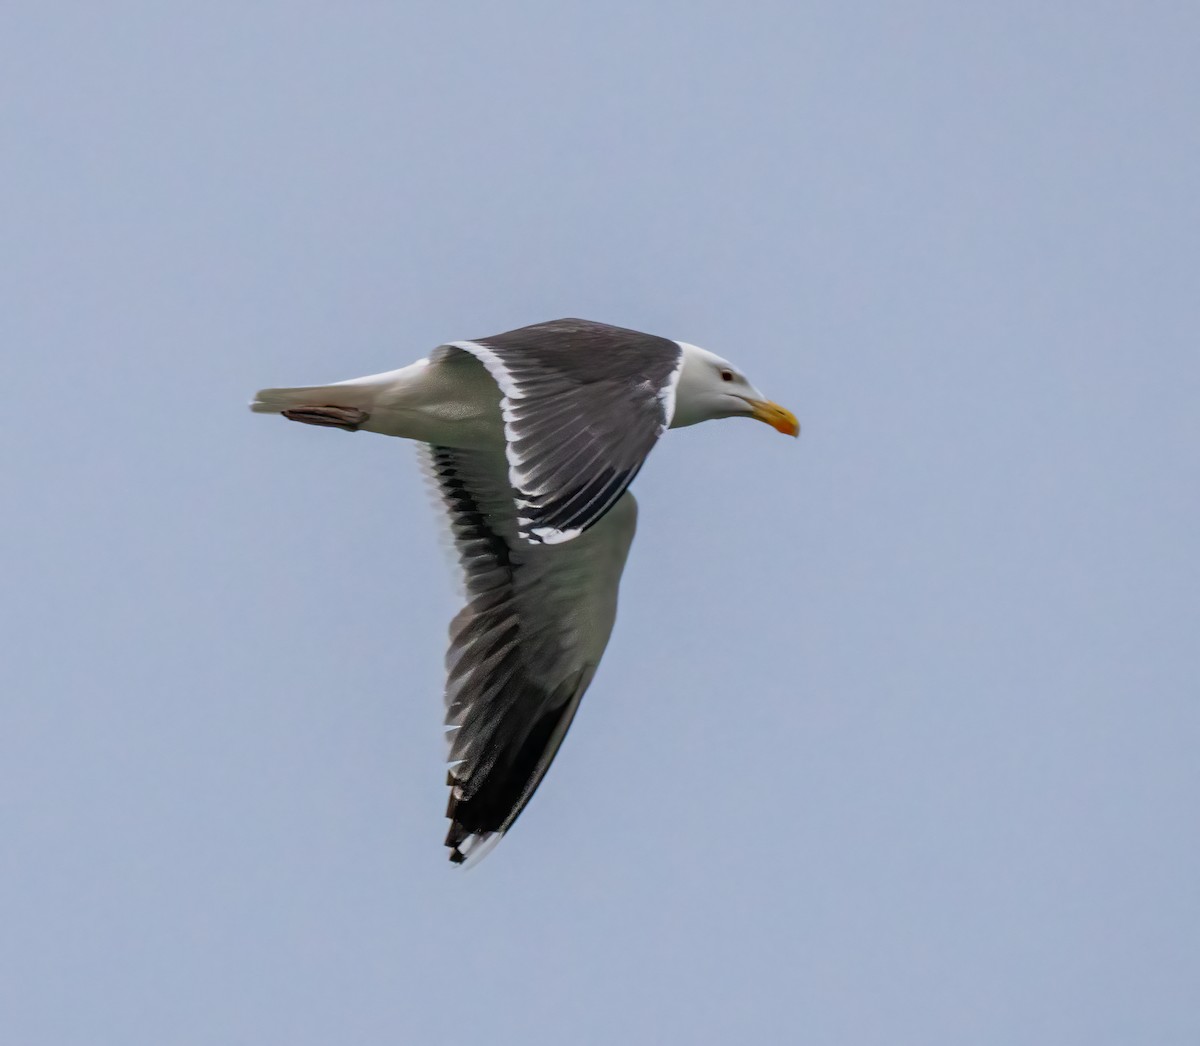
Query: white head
{"points": [[710, 387]]}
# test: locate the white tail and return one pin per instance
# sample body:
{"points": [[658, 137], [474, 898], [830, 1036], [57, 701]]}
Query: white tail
{"points": [[357, 392]]}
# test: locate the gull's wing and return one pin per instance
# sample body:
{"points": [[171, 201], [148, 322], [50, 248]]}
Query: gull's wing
{"points": [[583, 405], [524, 648]]}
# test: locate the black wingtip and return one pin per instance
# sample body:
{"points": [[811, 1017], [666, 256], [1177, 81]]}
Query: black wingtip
{"points": [[457, 834]]}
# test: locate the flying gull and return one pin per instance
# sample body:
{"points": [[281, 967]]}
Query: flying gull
{"points": [[532, 438]]}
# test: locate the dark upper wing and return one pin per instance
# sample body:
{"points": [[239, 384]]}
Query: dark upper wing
{"points": [[583, 405], [523, 649]]}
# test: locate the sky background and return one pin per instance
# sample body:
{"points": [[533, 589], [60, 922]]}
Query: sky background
{"points": [[897, 738]]}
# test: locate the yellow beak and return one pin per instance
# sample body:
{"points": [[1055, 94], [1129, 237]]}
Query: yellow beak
{"points": [[779, 418]]}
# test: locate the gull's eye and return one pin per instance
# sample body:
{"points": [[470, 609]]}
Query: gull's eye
{"points": [[727, 375]]}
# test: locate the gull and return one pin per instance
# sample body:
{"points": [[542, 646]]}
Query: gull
{"points": [[531, 438]]}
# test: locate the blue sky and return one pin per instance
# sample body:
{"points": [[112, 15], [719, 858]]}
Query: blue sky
{"points": [[896, 738]]}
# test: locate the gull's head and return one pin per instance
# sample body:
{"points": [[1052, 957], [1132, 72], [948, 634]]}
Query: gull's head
{"points": [[711, 387]]}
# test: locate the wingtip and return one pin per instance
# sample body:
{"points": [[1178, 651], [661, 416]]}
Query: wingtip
{"points": [[472, 849], [467, 848]]}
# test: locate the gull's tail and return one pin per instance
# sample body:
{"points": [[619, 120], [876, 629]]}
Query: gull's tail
{"points": [[361, 393], [344, 404]]}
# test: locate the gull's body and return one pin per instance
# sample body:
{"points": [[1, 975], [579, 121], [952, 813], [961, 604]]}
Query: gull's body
{"points": [[532, 438]]}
